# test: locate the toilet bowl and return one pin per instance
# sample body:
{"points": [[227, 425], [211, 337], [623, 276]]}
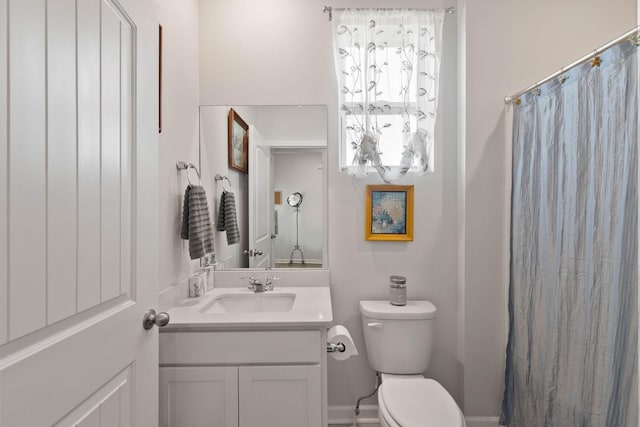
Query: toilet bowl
{"points": [[416, 402], [399, 342]]}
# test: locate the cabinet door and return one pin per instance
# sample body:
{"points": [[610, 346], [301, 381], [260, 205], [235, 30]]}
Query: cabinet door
{"points": [[280, 396], [199, 396]]}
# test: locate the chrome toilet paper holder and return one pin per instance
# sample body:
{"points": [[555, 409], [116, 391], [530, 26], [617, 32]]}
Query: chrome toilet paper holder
{"points": [[333, 347]]}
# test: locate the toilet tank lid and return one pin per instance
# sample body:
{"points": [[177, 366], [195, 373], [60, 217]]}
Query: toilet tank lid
{"points": [[385, 310]]}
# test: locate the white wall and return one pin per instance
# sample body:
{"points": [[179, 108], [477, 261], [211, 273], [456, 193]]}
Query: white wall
{"points": [[510, 45], [179, 137], [282, 54], [300, 171]]}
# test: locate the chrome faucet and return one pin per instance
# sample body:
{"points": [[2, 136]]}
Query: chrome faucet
{"points": [[257, 285]]}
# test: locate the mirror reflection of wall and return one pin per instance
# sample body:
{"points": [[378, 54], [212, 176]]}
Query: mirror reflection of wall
{"points": [[299, 170], [287, 153]]}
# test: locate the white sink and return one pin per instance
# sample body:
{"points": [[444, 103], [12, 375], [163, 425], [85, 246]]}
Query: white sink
{"points": [[231, 307], [250, 303]]}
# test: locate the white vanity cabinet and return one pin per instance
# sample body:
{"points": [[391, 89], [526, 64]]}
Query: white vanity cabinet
{"points": [[242, 378], [199, 396], [280, 396]]}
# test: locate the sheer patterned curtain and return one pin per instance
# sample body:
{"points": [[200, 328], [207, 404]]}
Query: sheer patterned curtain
{"points": [[572, 356], [387, 64]]}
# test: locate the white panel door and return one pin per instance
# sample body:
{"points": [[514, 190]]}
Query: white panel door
{"points": [[280, 396], [199, 396], [260, 201], [78, 224]]}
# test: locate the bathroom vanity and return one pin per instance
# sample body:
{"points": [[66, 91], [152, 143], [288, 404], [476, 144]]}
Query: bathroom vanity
{"points": [[235, 358]]}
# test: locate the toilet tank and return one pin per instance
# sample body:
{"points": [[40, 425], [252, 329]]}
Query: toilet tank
{"points": [[398, 339]]}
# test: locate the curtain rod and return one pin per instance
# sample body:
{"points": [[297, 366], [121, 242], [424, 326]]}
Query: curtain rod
{"points": [[329, 10], [632, 36]]}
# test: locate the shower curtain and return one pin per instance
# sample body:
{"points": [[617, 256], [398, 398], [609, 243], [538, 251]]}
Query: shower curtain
{"points": [[573, 340]]}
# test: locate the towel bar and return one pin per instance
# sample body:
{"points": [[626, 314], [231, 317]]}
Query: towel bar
{"points": [[222, 178], [180, 165]]}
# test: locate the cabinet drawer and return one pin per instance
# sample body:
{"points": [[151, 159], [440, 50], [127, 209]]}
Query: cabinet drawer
{"points": [[239, 347]]}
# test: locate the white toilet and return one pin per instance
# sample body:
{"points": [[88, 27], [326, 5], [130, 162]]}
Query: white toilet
{"points": [[399, 341]]}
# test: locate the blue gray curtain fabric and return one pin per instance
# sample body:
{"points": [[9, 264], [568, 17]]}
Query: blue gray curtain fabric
{"points": [[572, 354]]}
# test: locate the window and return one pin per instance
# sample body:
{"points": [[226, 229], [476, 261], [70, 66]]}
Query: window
{"points": [[387, 64]]}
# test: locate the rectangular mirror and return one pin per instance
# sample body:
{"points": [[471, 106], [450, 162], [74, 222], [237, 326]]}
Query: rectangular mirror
{"points": [[279, 204]]}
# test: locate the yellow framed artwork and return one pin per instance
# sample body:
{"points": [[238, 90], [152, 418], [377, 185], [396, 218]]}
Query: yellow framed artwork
{"points": [[389, 213]]}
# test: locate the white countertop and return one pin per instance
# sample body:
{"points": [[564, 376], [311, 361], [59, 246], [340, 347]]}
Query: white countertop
{"points": [[311, 310]]}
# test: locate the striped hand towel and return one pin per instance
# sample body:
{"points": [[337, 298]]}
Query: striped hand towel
{"points": [[196, 223], [227, 217]]}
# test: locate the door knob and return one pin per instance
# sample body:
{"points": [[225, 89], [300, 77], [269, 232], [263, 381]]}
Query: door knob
{"points": [[252, 252], [152, 318]]}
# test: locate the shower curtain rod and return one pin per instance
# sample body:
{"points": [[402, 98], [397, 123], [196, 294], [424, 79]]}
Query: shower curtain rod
{"points": [[632, 36], [329, 10]]}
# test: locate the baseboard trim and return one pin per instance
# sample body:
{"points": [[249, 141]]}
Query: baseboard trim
{"points": [[482, 421], [344, 414]]}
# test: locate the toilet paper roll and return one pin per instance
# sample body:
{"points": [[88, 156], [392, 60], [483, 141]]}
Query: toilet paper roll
{"points": [[339, 334]]}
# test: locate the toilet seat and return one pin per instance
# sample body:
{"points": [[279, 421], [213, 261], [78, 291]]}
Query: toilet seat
{"points": [[418, 403]]}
